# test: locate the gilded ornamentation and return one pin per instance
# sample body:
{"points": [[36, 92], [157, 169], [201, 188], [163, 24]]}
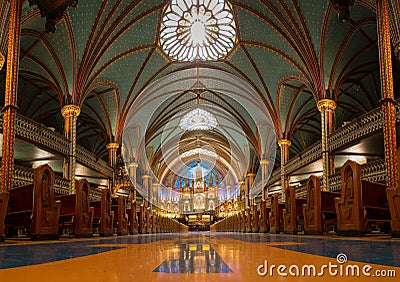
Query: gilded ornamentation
{"points": [[70, 110], [112, 146], [284, 142], [326, 104]]}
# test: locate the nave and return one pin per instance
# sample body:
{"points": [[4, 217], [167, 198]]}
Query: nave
{"points": [[202, 256]]}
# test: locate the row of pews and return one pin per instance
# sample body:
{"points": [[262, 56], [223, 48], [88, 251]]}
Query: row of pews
{"points": [[360, 207], [36, 211]]}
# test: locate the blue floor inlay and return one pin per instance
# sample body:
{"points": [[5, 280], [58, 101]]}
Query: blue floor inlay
{"points": [[368, 251], [31, 254]]}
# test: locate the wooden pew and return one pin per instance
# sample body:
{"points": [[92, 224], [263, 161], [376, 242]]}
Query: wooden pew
{"points": [[4, 196], [154, 218], [264, 217], [276, 215], [362, 203], [148, 220], [319, 211], [293, 212], [242, 214], [393, 197], [33, 207], [76, 215], [247, 218], [103, 217], [142, 227], [255, 224], [120, 216], [133, 219]]}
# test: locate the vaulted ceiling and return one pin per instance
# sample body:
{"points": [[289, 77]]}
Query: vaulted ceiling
{"points": [[104, 54]]}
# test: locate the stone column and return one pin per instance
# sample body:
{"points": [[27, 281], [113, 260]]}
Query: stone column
{"points": [[70, 114], [327, 108], [264, 171], [132, 172], [155, 192], [10, 101], [146, 190], [249, 183], [389, 110], [284, 144]]}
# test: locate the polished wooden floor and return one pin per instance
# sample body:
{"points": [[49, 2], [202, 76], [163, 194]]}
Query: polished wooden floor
{"points": [[202, 257]]}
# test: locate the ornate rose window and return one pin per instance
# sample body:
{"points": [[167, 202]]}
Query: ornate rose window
{"points": [[197, 29]]}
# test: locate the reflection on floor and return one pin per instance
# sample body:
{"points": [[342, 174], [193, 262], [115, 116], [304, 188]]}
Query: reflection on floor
{"points": [[202, 257], [193, 258]]}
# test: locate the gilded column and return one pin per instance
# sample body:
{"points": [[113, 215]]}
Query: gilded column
{"points": [[284, 144], [132, 172], [112, 160], [264, 171], [327, 108], [112, 150], [387, 92], [11, 88], [70, 114]]}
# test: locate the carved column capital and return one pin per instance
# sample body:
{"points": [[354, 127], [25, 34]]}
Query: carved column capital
{"points": [[112, 146], [284, 142], [133, 165], [70, 110], [326, 104]]}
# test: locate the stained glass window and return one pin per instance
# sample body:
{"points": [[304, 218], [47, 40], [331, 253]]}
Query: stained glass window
{"points": [[198, 119], [197, 29]]}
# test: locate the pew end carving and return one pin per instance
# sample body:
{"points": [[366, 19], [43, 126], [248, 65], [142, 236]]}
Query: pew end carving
{"points": [[393, 197], [33, 207], [293, 219], [319, 211], [361, 204], [276, 215]]}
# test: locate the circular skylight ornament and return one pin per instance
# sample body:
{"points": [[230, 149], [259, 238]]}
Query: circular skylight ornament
{"points": [[198, 119], [197, 29]]}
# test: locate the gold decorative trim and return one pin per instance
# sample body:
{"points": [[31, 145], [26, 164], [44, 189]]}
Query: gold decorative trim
{"points": [[284, 142], [70, 110], [264, 162], [146, 176], [112, 146], [326, 104], [2, 60]]}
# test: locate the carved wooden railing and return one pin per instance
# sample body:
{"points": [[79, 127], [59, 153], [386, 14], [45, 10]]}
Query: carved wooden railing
{"points": [[48, 139], [24, 176], [362, 127]]}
